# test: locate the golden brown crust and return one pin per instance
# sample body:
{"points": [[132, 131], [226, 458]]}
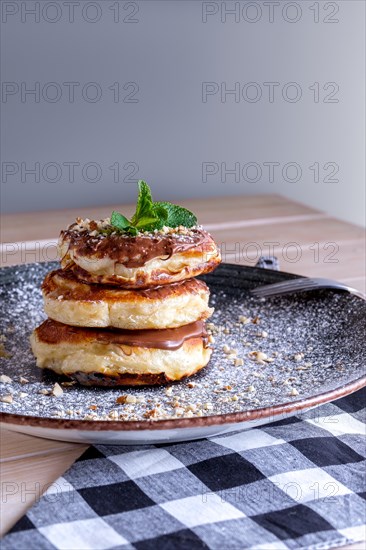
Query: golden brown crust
{"points": [[63, 282], [126, 379], [143, 279], [72, 302]]}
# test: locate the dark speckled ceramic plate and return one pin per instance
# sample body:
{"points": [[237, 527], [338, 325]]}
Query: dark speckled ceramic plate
{"points": [[314, 344]]}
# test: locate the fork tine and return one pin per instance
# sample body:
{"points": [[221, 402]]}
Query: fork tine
{"points": [[302, 284], [274, 292], [284, 287], [292, 283]]}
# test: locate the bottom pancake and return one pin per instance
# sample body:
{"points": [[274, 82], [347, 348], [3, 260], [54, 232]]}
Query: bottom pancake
{"points": [[121, 357]]}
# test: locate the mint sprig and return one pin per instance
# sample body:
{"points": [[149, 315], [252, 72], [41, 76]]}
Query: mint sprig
{"points": [[120, 223], [152, 215], [177, 215], [145, 213]]}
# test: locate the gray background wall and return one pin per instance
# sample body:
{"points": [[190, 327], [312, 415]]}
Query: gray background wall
{"points": [[175, 60]]}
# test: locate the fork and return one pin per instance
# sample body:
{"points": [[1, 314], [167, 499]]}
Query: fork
{"points": [[302, 284]]}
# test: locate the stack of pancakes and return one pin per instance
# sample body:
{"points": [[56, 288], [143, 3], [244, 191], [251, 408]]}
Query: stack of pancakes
{"points": [[127, 310]]}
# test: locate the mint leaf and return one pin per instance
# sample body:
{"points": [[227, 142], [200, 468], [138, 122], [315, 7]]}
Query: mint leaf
{"points": [[161, 212], [152, 215], [145, 205], [177, 215], [161, 218], [146, 222], [131, 230], [119, 221]]}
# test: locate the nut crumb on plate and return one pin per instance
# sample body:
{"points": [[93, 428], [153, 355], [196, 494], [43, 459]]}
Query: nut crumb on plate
{"points": [[7, 398]]}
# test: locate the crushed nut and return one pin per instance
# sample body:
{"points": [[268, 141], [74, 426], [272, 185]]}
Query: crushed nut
{"points": [[23, 380], [113, 415], [244, 320], [258, 356], [22, 394], [89, 417], [169, 391], [3, 352], [294, 392], [121, 400], [238, 362], [7, 398], [153, 413], [131, 399], [57, 391], [5, 379], [192, 384]]}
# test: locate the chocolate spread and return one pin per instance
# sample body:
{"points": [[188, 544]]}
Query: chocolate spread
{"points": [[53, 332], [136, 251]]}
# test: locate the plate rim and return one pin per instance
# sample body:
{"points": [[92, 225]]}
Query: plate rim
{"points": [[180, 423], [189, 422]]}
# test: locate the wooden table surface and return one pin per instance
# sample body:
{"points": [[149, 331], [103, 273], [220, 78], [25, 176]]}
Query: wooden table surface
{"points": [[306, 241]]}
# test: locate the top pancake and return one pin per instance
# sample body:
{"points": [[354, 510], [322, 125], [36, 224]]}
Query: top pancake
{"points": [[148, 259]]}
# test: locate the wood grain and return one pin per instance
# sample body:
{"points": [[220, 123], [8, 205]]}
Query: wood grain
{"points": [[25, 478], [43, 225], [243, 226]]}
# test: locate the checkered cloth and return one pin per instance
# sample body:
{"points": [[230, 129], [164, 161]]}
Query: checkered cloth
{"points": [[298, 483]]}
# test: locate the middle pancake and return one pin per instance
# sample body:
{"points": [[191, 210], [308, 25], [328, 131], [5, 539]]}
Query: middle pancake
{"points": [[69, 301]]}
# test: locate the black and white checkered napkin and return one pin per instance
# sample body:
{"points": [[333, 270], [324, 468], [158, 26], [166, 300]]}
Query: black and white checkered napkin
{"points": [[298, 483]]}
